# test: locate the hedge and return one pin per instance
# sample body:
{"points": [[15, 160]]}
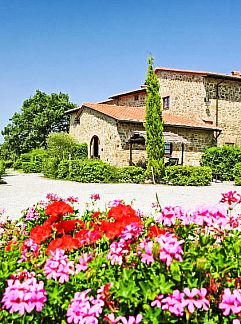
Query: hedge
{"points": [[32, 167], [222, 160], [237, 174], [94, 171], [2, 167], [31, 161], [50, 167], [63, 169], [188, 175], [131, 174], [80, 151]]}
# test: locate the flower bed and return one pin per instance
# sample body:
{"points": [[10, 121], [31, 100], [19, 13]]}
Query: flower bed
{"points": [[62, 265]]}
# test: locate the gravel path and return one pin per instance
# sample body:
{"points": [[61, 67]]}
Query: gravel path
{"points": [[24, 190]]}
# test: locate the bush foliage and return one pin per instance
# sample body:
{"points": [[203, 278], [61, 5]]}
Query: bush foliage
{"points": [[32, 167], [2, 167], [188, 175], [222, 161], [131, 174], [92, 171], [237, 174]]}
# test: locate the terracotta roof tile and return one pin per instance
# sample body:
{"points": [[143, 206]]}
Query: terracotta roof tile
{"points": [[137, 114]]}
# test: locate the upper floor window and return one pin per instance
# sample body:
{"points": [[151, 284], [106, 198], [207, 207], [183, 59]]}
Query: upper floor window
{"points": [[166, 102], [136, 98]]}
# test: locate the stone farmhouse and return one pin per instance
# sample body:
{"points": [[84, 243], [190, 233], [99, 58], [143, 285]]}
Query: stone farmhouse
{"points": [[200, 109]]}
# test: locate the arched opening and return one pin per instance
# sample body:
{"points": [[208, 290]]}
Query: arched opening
{"points": [[94, 147]]}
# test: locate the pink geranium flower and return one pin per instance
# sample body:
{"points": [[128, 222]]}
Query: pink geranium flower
{"points": [[58, 266], [231, 302], [146, 254], [174, 303], [170, 248], [95, 197], [117, 252], [131, 319], [24, 296], [84, 308], [83, 262], [231, 198], [195, 299]]}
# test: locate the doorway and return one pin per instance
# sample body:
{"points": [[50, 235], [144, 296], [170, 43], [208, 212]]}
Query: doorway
{"points": [[94, 147]]}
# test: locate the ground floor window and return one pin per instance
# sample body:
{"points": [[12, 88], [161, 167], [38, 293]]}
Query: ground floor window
{"points": [[168, 149]]}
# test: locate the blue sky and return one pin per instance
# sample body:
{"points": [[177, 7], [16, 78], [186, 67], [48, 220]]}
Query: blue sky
{"points": [[95, 48]]}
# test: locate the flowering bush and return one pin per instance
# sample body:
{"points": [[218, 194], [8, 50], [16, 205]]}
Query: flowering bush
{"points": [[62, 265]]}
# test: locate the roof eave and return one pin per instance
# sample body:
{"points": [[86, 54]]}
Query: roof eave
{"points": [[72, 110], [192, 126], [127, 93]]}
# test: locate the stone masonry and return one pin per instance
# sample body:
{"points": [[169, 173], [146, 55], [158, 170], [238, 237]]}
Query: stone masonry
{"points": [[113, 138], [201, 96], [189, 93]]}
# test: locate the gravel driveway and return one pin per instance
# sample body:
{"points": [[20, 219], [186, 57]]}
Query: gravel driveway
{"points": [[24, 190]]}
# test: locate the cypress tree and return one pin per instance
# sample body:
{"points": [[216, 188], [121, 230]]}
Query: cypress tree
{"points": [[154, 126]]}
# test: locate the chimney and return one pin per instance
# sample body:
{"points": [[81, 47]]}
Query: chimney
{"points": [[236, 73]]}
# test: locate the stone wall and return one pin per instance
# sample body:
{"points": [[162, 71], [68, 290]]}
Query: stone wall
{"points": [[229, 108], [198, 140], [94, 123], [113, 138], [187, 93], [133, 100]]}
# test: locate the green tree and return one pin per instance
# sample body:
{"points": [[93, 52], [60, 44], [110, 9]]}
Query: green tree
{"points": [[154, 126], [60, 145], [40, 115]]}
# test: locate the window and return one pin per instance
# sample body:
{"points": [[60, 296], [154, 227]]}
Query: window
{"points": [[168, 149], [76, 121], [166, 102], [136, 98]]}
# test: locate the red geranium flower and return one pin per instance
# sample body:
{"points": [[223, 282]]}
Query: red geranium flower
{"points": [[155, 230], [95, 214], [87, 237], [81, 235], [11, 244], [41, 233], [66, 243], [58, 209], [111, 229], [65, 226], [121, 212]]}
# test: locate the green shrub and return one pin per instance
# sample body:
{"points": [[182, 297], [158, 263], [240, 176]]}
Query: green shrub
{"points": [[2, 167], [63, 169], [92, 171], [17, 164], [80, 152], [32, 167], [60, 145], [131, 174], [50, 167], [188, 175], [8, 163], [38, 155], [237, 174], [222, 161], [25, 157]]}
